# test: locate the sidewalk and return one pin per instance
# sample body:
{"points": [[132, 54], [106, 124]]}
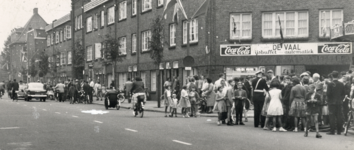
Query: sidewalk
{"points": [[151, 106]]}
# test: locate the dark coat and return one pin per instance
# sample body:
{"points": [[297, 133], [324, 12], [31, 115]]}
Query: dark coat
{"points": [[138, 87], [335, 93], [285, 93], [261, 85]]}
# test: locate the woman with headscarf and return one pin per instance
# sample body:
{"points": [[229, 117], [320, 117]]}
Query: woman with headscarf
{"points": [[209, 94]]}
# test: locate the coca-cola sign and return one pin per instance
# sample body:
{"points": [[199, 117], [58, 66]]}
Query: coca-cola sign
{"points": [[334, 48], [235, 50]]}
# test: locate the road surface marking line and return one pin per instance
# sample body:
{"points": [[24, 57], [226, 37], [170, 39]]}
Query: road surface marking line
{"points": [[44, 110], [57, 112], [75, 116], [181, 142], [7, 128], [98, 121], [130, 130]]}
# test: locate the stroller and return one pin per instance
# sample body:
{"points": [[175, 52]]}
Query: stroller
{"points": [[82, 98], [202, 103], [111, 99]]}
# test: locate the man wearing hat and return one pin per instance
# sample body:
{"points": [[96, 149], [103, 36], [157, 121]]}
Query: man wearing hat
{"points": [[259, 88], [271, 75]]}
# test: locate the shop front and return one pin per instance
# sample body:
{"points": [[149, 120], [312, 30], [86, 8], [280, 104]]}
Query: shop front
{"points": [[241, 60]]}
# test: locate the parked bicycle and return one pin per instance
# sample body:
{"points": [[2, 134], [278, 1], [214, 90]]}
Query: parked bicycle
{"points": [[350, 122]]}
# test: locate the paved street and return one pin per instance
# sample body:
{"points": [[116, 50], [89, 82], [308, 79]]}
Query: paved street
{"points": [[60, 126]]}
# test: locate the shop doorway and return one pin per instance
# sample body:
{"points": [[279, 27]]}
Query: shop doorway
{"points": [[326, 69]]}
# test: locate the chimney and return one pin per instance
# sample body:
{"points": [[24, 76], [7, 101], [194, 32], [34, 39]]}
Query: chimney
{"points": [[35, 10]]}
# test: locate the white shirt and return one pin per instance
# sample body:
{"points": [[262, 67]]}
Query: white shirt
{"points": [[92, 84]]}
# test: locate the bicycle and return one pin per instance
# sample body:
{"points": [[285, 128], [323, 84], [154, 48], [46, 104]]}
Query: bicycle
{"points": [[350, 121], [121, 96], [139, 106]]}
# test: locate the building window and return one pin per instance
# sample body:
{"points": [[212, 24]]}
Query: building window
{"points": [[57, 37], [133, 43], [95, 21], [69, 57], [68, 32], [62, 58], [146, 5], [185, 25], [241, 26], [89, 24], [102, 18], [159, 3], [98, 50], [61, 35], [123, 10], [122, 79], [143, 77], [48, 40], [193, 31], [294, 24], [146, 36], [52, 39], [172, 34], [79, 22], [153, 80], [328, 19], [111, 15], [89, 53], [64, 34], [133, 7], [122, 46]]}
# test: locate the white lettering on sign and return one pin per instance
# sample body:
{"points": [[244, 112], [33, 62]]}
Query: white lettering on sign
{"points": [[242, 50], [342, 48]]}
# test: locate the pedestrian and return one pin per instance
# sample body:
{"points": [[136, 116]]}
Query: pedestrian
{"points": [[259, 92], [88, 92], [60, 89], [325, 111], [298, 105], [191, 84], [335, 96], [218, 82], [200, 84], [138, 89], [220, 106], [98, 91], [347, 88], [167, 83], [9, 89], [174, 104], [238, 104], [193, 97], [246, 85], [209, 94], [127, 88], [287, 119], [15, 86], [275, 107], [167, 101], [71, 93], [2, 89], [305, 83], [313, 101], [176, 87], [103, 91], [229, 100], [184, 102]]}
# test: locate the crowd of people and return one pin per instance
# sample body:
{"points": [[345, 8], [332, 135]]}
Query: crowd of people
{"points": [[281, 103]]}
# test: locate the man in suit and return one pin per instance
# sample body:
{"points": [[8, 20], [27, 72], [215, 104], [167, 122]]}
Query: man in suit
{"points": [[259, 88], [335, 96]]}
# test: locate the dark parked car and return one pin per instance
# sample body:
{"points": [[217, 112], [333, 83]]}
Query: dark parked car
{"points": [[35, 90]]}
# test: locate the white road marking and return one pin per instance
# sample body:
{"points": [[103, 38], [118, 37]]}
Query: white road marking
{"points": [[57, 112], [75, 116], [185, 143], [66, 112], [130, 130], [8, 128], [44, 109], [208, 119], [21, 144], [98, 121]]}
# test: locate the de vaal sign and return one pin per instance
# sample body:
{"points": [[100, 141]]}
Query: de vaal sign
{"points": [[286, 49]]}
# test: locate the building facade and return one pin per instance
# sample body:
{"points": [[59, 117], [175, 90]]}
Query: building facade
{"points": [[35, 46]]}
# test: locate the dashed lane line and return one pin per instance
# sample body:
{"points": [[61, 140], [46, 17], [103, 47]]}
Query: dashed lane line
{"points": [[8, 128], [98, 121], [185, 143], [131, 130], [75, 116], [57, 112], [44, 109]]}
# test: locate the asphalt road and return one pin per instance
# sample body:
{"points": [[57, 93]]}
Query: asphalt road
{"points": [[60, 126]]}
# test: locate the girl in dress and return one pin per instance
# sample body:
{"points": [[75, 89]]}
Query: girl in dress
{"points": [[174, 103], [220, 105], [275, 108], [167, 96], [193, 96], [184, 102], [313, 101], [298, 105]]}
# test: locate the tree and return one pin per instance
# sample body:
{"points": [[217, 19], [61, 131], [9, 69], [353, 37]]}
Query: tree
{"points": [[6, 54], [79, 59], [32, 68], [156, 47], [43, 65], [111, 51]]}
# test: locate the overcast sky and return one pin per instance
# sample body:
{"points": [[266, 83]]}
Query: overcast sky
{"points": [[15, 13]]}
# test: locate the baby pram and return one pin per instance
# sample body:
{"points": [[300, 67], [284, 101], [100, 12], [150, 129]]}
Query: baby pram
{"points": [[111, 99]]}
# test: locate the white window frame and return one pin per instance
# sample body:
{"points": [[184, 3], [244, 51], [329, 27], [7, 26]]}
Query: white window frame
{"points": [[57, 37], [134, 42], [95, 21], [61, 35], [64, 34], [143, 77], [146, 36], [110, 16], [89, 53], [69, 58], [185, 30], [48, 40], [102, 18], [123, 45], [172, 34], [122, 77], [123, 10], [134, 8], [52, 39], [62, 58], [79, 22], [275, 25], [68, 32], [193, 31], [98, 48], [89, 24], [159, 3], [329, 21], [239, 26], [146, 3], [153, 79]]}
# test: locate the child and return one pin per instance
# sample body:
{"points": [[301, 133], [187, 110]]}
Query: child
{"points": [[240, 97], [174, 105], [220, 104], [184, 102], [275, 107], [313, 100], [167, 96], [193, 96]]}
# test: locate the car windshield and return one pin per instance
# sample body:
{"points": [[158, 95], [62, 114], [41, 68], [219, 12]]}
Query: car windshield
{"points": [[37, 86]]}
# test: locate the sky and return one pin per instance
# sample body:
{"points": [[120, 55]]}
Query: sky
{"points": [[15, 13]]}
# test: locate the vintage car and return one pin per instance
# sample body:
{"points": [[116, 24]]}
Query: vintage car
{"points": [[35, 90], [21, 91]]}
